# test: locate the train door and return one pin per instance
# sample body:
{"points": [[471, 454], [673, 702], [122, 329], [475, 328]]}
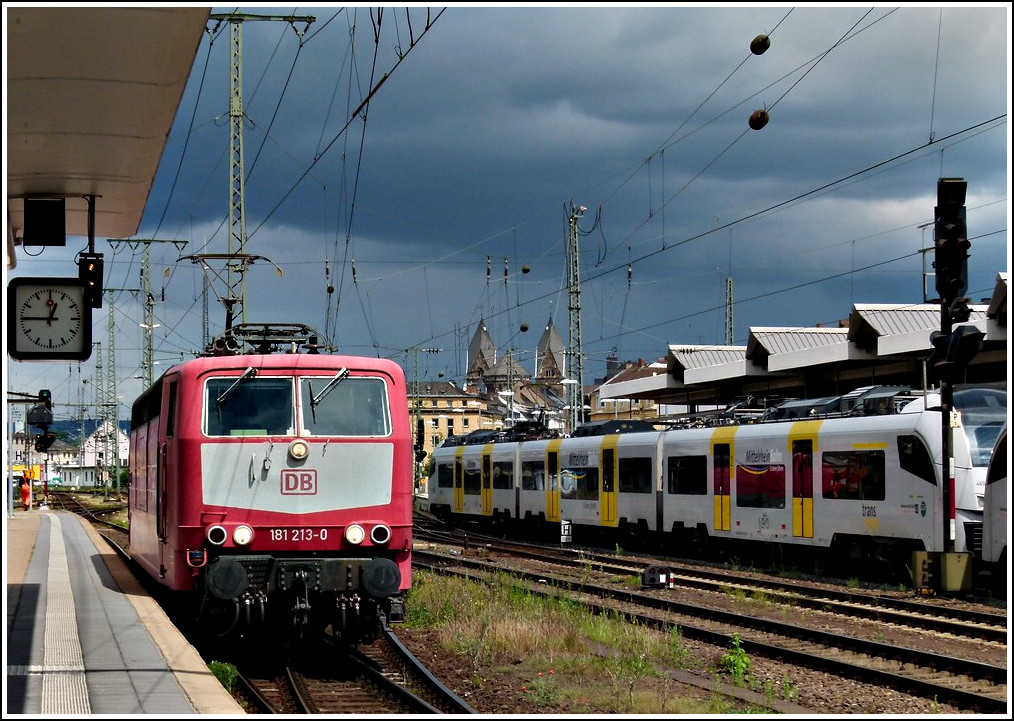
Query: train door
{"points": [[802, 440], [553, 480], [722, 477], [607, 481], [486, 489], [459, 480]]}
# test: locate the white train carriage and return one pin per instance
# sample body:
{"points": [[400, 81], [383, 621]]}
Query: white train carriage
{"points": [[868, 487]]}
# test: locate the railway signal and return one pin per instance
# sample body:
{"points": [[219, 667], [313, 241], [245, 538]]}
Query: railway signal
{"points": [[44, 440], [950, 239], [952, 352], [89, 271]]}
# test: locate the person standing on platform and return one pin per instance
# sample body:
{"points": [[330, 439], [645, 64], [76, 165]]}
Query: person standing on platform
{"points": [[26, 493]]}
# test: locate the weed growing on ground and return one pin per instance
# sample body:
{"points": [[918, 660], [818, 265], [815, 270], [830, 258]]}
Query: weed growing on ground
{"points": [[543, 690], [226, 674], [736, 662]]}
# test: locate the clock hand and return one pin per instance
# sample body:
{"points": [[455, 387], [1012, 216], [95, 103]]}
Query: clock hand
{"points": [[37, 317], [52, 314]]}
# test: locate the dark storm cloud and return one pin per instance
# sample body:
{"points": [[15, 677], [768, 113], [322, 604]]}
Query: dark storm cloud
{"points": [[497, 118]]}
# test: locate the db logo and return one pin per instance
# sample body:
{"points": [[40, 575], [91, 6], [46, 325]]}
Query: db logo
{"points": [[299, 483]]}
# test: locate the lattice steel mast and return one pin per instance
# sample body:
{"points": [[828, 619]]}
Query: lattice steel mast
{"points": [[575, 354]]}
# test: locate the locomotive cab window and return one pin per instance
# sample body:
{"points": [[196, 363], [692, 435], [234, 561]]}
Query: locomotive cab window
{"points": [[248, 406], [348, 406]]}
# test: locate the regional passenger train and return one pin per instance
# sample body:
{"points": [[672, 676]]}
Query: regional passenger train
{"points": [[274, 490], [867, 487]]}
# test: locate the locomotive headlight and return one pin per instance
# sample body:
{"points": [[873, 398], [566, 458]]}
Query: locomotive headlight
{"points": [[355, 534], [242, 535], [380, 534], [299, 449], [217, 535]]}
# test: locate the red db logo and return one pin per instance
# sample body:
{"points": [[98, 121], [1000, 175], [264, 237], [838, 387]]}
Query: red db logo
{"points": [[299, 483]]}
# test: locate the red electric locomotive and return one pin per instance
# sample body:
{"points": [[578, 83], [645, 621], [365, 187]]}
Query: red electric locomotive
{"points": [[274, 489]]}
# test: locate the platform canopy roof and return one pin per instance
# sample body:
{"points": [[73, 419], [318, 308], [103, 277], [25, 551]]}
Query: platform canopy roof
{"points": [[91, 94], [879, 343]]}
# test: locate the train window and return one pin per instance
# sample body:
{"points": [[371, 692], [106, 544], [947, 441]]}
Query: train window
{"points": [[760, 486], [170, 416], [354, 407], [581, 484], [445, 475], [983, 413], [533, 476], [997, 471], [854, 475], [802, 469], [503, 474], [608, 469], [723, 464], [254, 407], [687, 475], [147, 406], [635, 475], [472, 483], [915, 458]]}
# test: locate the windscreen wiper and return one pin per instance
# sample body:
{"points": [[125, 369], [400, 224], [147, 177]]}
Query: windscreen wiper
{"points": [[315, 399], [248, 373]]}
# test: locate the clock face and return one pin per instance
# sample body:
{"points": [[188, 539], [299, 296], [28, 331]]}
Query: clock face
{"points": [[48, 319]]}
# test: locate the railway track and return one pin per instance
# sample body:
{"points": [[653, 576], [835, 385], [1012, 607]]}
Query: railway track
{"points": [[97, 515], [925, 615], [379, 678], [967, 683]]}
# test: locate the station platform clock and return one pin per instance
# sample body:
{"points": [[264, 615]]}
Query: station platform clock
{"points": [[48, 319]]}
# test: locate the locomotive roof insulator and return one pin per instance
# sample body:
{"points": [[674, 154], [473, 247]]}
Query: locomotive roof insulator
{"points": [[225, 345]]}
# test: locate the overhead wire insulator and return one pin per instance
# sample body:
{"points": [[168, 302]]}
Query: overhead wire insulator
{"points": [[760, 44], [759, 119]]}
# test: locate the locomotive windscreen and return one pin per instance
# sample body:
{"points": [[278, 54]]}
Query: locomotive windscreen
{"points": [[353, 407], [254, 407]]}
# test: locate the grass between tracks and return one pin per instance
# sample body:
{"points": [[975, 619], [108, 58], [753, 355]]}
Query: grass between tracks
{"points": [[561, 658]]}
